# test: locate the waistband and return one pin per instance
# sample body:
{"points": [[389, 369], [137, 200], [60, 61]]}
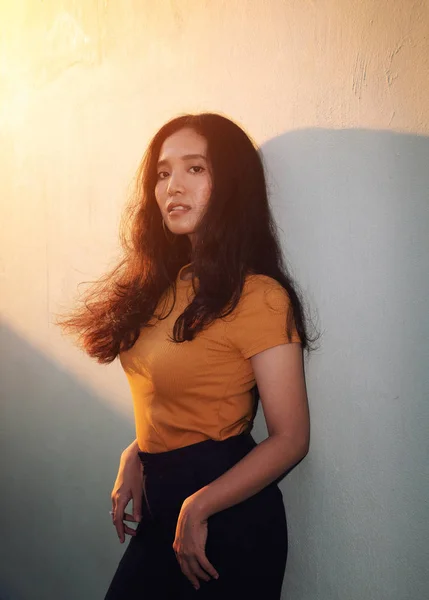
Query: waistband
{"points": [[233, 446]]}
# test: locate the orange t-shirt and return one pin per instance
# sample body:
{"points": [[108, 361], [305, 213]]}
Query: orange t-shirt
{"points": [[192, 391]]}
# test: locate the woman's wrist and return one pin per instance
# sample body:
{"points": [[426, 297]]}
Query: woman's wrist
{"points": [[131, 450]]}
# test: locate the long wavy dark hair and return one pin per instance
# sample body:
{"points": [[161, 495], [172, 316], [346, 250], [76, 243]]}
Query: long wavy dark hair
{"points": [[236, 236]]}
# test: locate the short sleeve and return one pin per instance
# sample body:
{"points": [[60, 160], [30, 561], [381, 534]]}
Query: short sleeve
{"points": [[259, 321]]}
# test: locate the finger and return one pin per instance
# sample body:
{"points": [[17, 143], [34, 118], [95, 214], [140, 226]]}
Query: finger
{"points": [[207, 566], [129, 530], [196, 569], [118, 522], [188, 573], [128, 517]]}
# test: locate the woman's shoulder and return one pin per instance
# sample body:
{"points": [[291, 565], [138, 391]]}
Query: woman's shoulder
{"points": [[260, 318], [263, 291], [259, 283], [259, 280]]}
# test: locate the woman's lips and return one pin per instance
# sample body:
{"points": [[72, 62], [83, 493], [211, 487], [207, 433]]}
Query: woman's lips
{"points": [[178, 211]]}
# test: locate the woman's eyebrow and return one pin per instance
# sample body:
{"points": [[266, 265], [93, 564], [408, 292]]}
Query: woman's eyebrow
{"points": [[184, 157]]}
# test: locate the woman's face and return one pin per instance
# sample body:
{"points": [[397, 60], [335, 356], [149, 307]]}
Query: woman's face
{"points": [[184, 181]]}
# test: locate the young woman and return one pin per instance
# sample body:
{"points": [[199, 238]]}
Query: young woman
{"points": [[204, 318]]}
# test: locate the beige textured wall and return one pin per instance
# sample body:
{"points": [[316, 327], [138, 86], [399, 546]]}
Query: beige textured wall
{"points": [[83, 85]]}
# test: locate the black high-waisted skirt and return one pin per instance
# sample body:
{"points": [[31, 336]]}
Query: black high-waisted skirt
{"points": [[246, 543]]}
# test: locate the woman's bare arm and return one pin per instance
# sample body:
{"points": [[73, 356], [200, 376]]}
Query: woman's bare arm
{"points": [[279, 374]]}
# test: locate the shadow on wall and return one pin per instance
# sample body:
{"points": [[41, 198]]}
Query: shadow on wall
{"points": [[60, 447], [353, 208]]}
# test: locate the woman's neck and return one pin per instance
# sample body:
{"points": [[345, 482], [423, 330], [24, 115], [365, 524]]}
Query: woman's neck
{"points": [[186, 274]]}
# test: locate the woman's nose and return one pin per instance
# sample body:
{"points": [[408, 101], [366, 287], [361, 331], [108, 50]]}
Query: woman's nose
{"points": [[175, 185]]}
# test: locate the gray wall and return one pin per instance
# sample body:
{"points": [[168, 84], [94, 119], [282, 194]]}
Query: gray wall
{"points": [[354, 208], [60, 447]]}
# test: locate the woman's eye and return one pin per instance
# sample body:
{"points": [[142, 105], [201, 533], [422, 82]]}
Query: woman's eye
{"points": [[162, 175], [196, 169]]}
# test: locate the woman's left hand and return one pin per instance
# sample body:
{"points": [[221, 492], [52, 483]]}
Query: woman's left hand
{"points": [[189, 544]]}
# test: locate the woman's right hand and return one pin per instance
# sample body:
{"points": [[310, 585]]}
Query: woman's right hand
{"points": [[128, 486]]}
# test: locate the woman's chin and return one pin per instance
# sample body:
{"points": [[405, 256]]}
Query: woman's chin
{"points": [[181, 230]]}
